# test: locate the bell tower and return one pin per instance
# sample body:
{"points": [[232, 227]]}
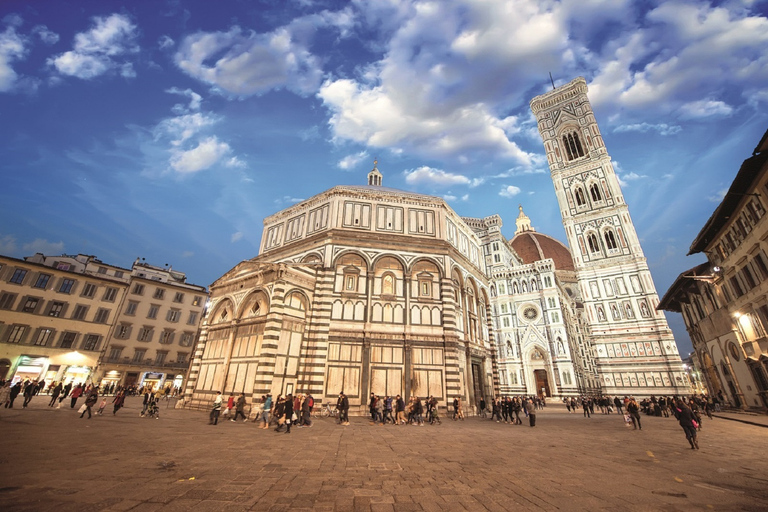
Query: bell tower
{"points": [[634, 347]]}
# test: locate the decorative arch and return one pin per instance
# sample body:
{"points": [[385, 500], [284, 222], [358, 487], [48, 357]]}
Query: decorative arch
{"points": [[593, 242], [581, 198], [297, 301], [350, 269], [255, 304], [224, 311], [312, 258]]}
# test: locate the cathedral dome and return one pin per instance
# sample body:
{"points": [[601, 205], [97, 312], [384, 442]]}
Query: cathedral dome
{"points": [[532, 246]]}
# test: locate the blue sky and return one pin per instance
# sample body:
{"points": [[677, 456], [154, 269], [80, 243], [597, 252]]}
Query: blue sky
{"points": [[169, 129]]}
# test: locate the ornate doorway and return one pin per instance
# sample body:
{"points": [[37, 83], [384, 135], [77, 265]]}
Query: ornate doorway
{"points": [[542, 383]]}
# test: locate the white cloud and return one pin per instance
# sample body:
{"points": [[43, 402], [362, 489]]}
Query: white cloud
{"points": [[11, 49], [509, 191], [705, 108], [661, 128], [194, 99], [247, 63], [8, 245], [236, 236], [679, 55], [349, 162], [43, 246], [96, 51], [165, 42], [425, 175], [288, 199], [718, 196], [207, 153], [46, 36], [187, 254]]}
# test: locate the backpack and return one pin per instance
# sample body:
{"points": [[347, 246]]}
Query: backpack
{"points": [[311, 401]]}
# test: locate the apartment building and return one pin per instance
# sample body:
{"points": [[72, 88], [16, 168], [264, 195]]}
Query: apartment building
{"points": [[56, 315], [155, 329], [73, 318]]}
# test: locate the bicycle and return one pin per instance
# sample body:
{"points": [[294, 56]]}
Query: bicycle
{"points": [[327, 411]]}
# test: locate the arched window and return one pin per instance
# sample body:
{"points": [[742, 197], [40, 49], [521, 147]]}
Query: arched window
{"points": [[592, 241], [610, 240], [594, 191], [572, 146], [388, 285], [580, 199]]}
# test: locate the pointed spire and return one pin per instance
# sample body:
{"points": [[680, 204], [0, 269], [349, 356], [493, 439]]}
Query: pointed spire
{"points": [[522, 222], [374, 177]]}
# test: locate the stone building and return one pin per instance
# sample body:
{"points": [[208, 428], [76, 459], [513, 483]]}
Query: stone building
{"points": [[358, 289], [56, 315], [635, 352], [155, 329], [724, 302], [368, 289], [76, 318]]}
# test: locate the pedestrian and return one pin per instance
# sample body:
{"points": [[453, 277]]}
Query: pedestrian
{"points": [[230, 405], [388, 410], [483, 412], [240, 408], [29, 391], [213, 418], [75, 395], [633, 409], [266, 405], [343, 406], [286, 415], [531, 412], [55, 394], [102, 405], [686, 419], [90, 401], [15, 390], [586, 404], [306, 420], [118, 402], [5, 394], [435, 416], [379, 410], [64, 393], [399, 410], [372, 407]]}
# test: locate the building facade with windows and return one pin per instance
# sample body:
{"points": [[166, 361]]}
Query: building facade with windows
{"points": [[724, 302], [366, 289], [76, 318], [56, 315], [358, 289], [155, 329]]}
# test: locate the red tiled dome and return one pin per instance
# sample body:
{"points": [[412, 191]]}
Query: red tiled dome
{"points": [[532, 246]]}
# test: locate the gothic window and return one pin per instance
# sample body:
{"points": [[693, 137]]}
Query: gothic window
{"points": [[572, 146], [580, 199], [594, 191], [610, 240], [593, 244]]}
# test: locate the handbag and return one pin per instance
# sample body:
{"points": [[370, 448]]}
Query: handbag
{"points": [[294, 417], [82, 409]]}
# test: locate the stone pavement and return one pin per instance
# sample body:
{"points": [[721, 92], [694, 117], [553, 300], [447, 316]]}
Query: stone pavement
{"points": [[53, 460]]}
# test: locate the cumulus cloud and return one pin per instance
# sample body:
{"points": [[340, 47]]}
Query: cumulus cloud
{"points": [[425, 175], [11, 49], [45, 35], [44, 246], [245, 63], [661, 128], [194, 99], [681, 53], [509, 191], [165, 42], [97, 51], [204, 155], [349, 162], [705, 108]]}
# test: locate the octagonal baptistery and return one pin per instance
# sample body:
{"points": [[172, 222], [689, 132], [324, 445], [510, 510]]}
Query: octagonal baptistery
{"points": [[359, 289]]}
